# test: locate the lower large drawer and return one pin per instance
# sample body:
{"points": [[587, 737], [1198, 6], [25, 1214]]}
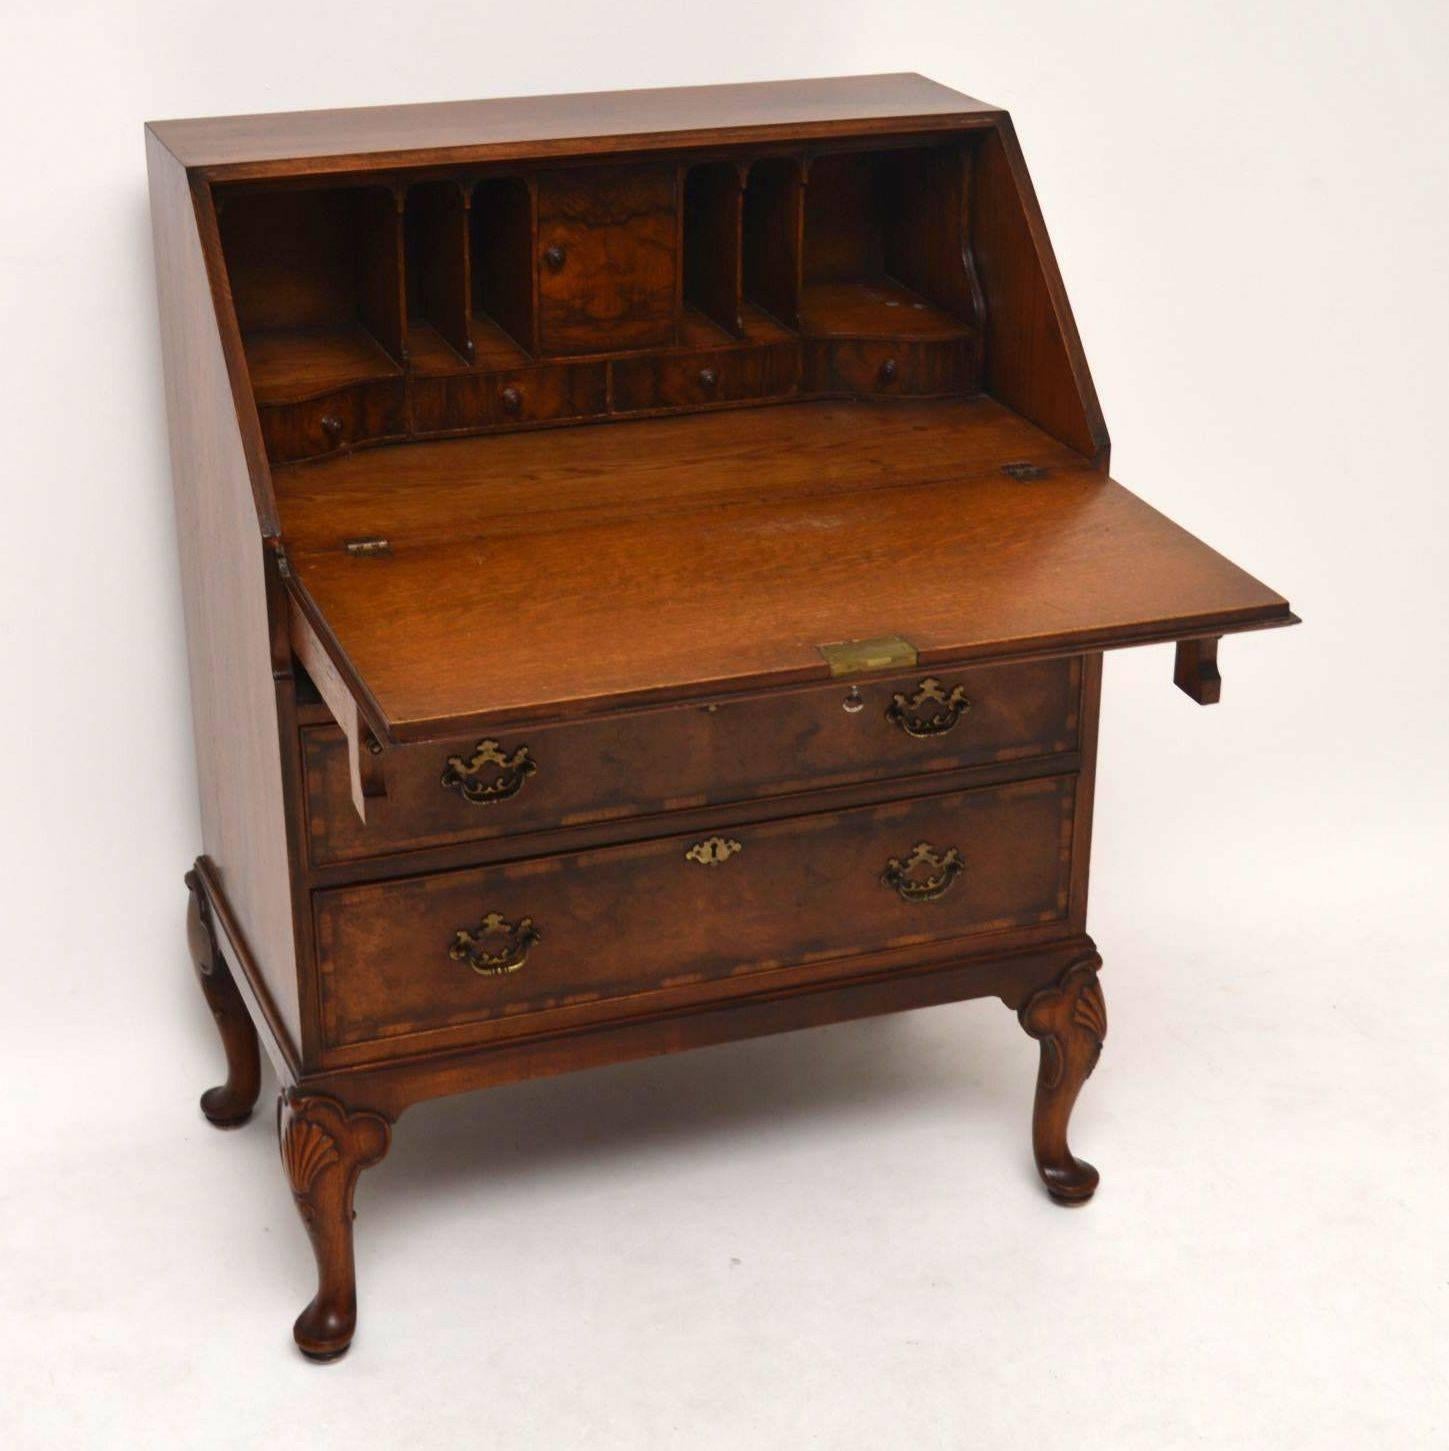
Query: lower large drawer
{"points": [[483, 946]]}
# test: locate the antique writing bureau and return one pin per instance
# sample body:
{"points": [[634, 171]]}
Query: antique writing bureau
{"points": [[647, 559]]}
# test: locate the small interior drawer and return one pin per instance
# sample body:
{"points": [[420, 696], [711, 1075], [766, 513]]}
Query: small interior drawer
{"points": [[893, 368], [360, 413], [607, 258], [500, 943], [696, 379], [522, 395], [530, 779]]}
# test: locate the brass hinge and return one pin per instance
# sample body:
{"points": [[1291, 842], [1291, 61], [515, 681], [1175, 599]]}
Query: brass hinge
{"points": [[849, 657], [365, 548], [1025, 473]]}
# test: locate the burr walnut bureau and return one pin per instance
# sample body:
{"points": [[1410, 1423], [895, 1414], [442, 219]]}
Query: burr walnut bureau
{"points": [[647, 561]]}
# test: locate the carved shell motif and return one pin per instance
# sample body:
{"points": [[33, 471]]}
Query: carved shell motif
{"points": [[1090, 1011], [1076, 1002], [307, 1150]]}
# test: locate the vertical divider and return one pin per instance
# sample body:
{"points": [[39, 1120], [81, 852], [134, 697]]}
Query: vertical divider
{"points": [[436, 257], [535, 337], [773, 236], [503, 232], [681, 172], [712, 268], [381, 285]]}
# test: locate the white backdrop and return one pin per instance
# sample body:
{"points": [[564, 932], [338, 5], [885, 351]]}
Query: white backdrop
{"points": [[833, 1239]]}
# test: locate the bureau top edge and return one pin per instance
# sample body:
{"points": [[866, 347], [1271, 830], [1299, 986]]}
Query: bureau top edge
{"points": [[314, 143]]}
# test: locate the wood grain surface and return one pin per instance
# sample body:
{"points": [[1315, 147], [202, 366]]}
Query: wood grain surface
{"points": [[530, 594]]}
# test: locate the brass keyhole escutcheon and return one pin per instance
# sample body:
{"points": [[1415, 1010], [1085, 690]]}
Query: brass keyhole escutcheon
{"points": [[713, 852]]}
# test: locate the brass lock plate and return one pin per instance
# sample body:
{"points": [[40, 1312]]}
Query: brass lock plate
{"points": [[851, 657]]}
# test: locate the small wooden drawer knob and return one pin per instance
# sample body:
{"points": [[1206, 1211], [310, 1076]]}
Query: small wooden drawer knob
{"points": [[332, 427], [555, 256], [708, 378], [512, 399], [888, 370]]}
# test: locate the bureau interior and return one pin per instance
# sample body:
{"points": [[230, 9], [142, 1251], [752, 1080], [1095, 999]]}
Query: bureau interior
{"points": [[419, 306]]}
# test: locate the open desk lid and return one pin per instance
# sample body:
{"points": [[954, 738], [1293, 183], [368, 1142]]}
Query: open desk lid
{"points": [[448, 588]]}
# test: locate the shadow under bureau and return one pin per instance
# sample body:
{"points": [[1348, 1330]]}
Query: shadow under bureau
{"points": [[647, 562]]}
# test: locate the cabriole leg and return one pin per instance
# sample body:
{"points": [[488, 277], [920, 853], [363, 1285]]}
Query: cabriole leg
{"points": [[1070, 1020], [324, 1150], [230, 1103]]}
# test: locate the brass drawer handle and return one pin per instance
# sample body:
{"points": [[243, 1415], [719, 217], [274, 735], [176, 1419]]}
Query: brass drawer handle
{"points": [[931, 711], [511, 399], [712, 852], [555, 256], [464, 778], [925, 875], [518, 941]]}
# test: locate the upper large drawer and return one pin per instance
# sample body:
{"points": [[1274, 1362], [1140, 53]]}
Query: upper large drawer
{"points": [[667, 759]]}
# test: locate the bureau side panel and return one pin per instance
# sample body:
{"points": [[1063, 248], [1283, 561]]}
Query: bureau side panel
{"points": [[1090, 715], [1034, 359], [223, 575]]}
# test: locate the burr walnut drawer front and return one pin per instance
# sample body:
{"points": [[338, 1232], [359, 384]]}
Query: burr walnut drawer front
{"points": [[607, 241], [686, 756], [692, 380], [522, 395], [363, 413], [893, 369], [484, 947]]}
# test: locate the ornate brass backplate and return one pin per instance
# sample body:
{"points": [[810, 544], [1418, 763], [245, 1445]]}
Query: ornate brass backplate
{"points": [[712, 852], [925, 875], [513, 942], [464, 776], [931, 711]]}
